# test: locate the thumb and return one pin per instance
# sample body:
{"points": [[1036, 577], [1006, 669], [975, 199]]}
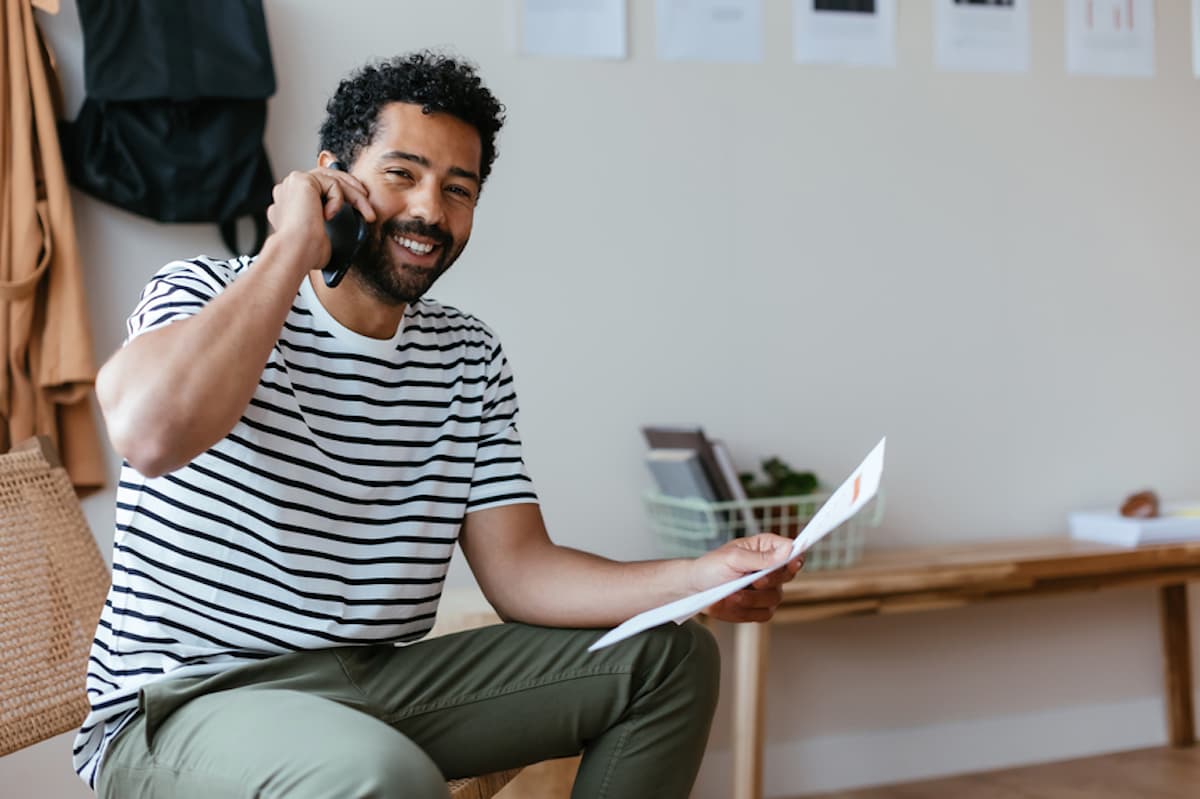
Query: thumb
{"points": [[748, 559]]}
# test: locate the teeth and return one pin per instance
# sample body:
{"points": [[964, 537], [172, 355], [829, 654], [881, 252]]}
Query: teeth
{"points": [[415, 246]]}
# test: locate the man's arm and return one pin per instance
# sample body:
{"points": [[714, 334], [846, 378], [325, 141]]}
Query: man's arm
{"points": [[528, 578], [172, 393]]}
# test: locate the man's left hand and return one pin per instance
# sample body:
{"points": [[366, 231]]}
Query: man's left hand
{"points": [[756, 602]]}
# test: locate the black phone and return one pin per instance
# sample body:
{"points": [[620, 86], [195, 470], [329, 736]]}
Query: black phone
{"points": [[346, 231]]}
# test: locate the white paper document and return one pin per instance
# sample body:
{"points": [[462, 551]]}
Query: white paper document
{"points": [[574, 28], [853, 32], [859, 488], [1110, 37], [710, 30], [983, 37], [1196, 37]]}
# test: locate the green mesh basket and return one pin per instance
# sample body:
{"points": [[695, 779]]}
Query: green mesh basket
{"points": [[691, 527]]}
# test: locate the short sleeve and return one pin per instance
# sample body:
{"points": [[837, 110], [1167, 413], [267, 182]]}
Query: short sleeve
{"points": [[179, 290], [500, 476]]}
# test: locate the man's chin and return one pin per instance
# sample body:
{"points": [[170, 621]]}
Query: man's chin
{"points": [[397, 281]]}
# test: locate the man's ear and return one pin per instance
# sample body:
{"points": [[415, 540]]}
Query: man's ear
{"points": [[325, 159]]}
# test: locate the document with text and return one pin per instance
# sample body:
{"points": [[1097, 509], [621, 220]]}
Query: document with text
{"points": [[859, 488]]}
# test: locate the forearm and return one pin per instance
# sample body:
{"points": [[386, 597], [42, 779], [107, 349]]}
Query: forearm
{"points": [[528, 578], [172, 393], [563, 587]]}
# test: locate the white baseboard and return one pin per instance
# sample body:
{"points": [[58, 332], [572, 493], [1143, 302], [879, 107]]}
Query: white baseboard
{"points": [[793, 768]]}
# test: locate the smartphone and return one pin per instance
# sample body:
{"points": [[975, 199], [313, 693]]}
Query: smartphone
{"points": [[346, 231]]}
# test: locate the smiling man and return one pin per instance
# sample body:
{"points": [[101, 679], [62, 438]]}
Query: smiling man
{"points": [[300, 464]]}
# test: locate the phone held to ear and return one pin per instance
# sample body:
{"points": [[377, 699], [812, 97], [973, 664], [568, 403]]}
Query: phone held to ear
{"points": [[346, 231]]}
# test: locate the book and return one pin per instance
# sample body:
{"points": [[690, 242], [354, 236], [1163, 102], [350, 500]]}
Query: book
{"points": [[693, 438], [679, 473], [749, 525], [1178, 523]]}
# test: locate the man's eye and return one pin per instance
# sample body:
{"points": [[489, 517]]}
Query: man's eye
{"points": [[400, 173], [460, 191]]}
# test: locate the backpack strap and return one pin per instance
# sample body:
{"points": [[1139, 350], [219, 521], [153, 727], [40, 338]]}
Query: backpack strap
{"points": [[229, 233]]}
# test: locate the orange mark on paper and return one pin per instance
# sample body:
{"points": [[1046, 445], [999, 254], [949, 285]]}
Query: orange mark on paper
{"points": [[857, 488]]}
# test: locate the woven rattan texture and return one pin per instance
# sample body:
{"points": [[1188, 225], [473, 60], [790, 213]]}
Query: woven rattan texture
{"points": [[52, 585], [481, 787]]}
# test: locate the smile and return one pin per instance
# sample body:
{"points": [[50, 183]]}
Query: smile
{"points": [[415, 247]]}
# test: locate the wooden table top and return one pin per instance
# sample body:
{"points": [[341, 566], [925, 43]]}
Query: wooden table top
{"points": [[990, 566]]}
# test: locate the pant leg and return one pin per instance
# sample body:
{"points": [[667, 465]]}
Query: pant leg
{"points": [[513, 694], [308, 723], [287, 726], [267, 743]]}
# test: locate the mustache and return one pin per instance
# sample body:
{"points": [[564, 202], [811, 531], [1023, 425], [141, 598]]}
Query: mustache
{"points": [[415, 227]]}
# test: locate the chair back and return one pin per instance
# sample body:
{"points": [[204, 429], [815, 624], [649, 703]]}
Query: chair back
{"points": [[53, 581]]}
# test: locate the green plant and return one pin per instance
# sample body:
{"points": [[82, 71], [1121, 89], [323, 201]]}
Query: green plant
{"points": [[780, 481]]}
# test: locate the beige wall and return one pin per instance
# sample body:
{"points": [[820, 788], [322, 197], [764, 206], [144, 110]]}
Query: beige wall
{"points": [[995, 271]]}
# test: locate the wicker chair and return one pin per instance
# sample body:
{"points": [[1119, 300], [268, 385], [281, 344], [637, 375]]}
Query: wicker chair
{"points": [[53, 581]]}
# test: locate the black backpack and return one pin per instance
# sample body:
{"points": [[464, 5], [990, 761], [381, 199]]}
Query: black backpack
{"points": [[172, 127]]}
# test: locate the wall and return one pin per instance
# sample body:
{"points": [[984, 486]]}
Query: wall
{"points": [[995, 271]]}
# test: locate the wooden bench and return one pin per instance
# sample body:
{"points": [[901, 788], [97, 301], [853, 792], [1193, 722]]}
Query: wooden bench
{"points": [[928, 578]]}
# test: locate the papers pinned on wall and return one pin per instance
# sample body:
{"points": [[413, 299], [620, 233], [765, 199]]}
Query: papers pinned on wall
{"points": [[1110, 37], [710, 30], [982, 35], [573, 28], [852, 32], [1196, 37]]}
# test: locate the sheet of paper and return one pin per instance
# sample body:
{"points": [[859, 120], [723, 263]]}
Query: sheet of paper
{"points": [[710, 30], [1110, 37], [854, 32], [991, 37], [574, 28], [850, 497], [1196, 38]]}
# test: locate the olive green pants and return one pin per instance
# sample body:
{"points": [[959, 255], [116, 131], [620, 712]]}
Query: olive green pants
{"points": [[383, 721]]}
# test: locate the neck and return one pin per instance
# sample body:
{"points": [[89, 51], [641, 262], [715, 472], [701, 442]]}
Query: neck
{"points": [[355, 310]]}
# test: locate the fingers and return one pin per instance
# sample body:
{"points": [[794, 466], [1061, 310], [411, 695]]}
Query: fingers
{"points": [[758, 599], [338, 187], [781, 576], [758, 552], [746, 606]]}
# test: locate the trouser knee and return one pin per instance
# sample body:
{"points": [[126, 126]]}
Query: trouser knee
{"points": [[685, 659], [384, 774]]}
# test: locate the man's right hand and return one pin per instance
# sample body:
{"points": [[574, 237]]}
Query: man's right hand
{"points": [[172, 393], [303, 201]]}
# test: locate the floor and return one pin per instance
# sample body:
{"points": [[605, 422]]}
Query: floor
{"points": [[1142, 774]]}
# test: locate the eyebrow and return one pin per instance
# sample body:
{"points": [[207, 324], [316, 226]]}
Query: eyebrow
{"points": [[457, 171]]}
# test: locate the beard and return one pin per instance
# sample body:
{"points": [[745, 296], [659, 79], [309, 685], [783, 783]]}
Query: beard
{"points": [[377, 270]]}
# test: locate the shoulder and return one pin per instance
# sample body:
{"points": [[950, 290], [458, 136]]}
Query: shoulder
{"points": [[431, 316], [212, 273]]}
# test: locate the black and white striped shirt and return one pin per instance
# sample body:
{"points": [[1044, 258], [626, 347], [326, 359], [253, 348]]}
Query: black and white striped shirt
{"points": [[327, 516]]}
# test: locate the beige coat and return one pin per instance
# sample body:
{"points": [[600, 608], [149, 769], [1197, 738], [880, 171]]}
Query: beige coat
{"points": [[46, 379]]}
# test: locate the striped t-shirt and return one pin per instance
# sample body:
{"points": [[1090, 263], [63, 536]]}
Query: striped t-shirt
{"points": [[326, 517]]}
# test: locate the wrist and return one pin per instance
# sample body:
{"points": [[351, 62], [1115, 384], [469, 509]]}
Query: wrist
{"points": [[302, 253]]}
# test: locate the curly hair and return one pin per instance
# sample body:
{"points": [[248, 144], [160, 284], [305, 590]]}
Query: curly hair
{"points": [[435, 82]]}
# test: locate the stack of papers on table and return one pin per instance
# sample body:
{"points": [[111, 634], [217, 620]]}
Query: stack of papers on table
{"points": [[1177, 523]]}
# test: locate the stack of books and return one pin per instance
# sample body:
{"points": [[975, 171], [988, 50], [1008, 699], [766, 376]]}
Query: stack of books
{"points": [[686, 464]]}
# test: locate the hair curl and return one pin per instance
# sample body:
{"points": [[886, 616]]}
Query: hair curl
{"points": [[431, 80]]}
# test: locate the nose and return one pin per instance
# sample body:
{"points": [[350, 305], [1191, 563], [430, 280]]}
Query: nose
{"points": [[425, 203]]}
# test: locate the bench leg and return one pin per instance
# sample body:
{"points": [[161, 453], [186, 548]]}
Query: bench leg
{"points": [[750, 675], [1177, 652]]}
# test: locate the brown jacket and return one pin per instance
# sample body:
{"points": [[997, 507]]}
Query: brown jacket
{"points": [[46, 379]]}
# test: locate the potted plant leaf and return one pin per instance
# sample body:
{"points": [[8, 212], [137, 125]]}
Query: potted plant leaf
{"points": [[781, 481]]}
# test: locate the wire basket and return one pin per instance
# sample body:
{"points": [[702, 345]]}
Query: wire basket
{"points": [[691, 527]]}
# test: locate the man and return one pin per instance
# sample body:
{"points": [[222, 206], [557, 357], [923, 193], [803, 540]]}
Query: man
{"points": [[300, 462]]}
